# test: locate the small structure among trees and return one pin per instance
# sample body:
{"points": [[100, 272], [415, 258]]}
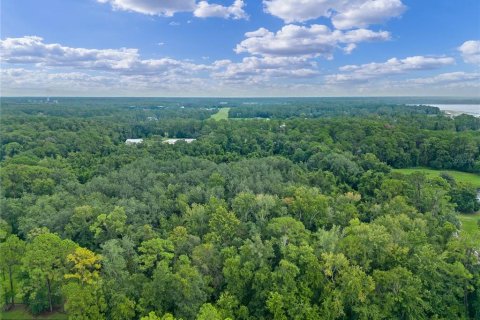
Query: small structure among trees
{"points": [[173, 141], [133, 141]]}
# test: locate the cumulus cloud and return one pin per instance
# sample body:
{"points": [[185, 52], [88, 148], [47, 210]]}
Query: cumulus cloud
{"points": [[367, 13], [33, 66], [316, 40], [207, 10], [299, 10], [153, 7], [168, 8], [258, 69], [470, 51], [19, 81], [40, 65], [394, 66], [345, 14], [33, 50]]}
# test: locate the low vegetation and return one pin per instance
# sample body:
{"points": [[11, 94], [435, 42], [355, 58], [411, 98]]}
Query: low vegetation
{"points": [[20, 313], [222, 114], [471, 223], [464, 177]]}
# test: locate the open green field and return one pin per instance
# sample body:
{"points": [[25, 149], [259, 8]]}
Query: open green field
{"points": [[459, 176], [222, 114], [469, 222], [19, 313]]}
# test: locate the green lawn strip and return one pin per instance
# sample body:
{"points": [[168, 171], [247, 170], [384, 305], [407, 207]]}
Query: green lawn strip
{"points": [[471, 178], [19, 312], [469, 222], [222, 114]]}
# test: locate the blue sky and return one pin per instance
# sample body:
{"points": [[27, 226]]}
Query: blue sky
{"points": [[240, 48]]}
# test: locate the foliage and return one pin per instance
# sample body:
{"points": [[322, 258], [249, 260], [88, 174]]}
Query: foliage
{"points": [[302, 216]]}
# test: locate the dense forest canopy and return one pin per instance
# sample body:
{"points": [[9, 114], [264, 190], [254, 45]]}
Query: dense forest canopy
{"points": [[290, 209]]}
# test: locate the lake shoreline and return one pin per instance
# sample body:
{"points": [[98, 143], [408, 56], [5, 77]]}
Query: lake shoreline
{"points": [[454, 110]]}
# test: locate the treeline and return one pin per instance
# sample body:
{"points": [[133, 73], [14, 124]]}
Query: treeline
{"points": [[119, 109], [327, 109], [279, 219], [400, 142]]}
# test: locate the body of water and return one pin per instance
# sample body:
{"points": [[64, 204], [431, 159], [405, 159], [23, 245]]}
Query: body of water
{"points": [[473, 109]]}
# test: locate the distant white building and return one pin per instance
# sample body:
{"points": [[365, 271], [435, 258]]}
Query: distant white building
{"points": [[133, 141], [173, 141]]}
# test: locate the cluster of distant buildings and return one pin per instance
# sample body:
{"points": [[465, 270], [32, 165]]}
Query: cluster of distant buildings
{"points": [[167, 141], [43, 101], [173, 141]]}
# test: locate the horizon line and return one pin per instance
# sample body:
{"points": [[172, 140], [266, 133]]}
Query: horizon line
{"points": [[241, 97]]}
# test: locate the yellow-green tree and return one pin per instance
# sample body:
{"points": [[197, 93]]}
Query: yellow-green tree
{"points": [[83, 291]]}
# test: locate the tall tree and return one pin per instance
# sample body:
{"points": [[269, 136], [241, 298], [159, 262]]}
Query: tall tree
{"points": [[11, 252], [44, 262]]}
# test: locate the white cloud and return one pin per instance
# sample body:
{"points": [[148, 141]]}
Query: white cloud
{"points": [[299, 10], [32, 50], [20, 81], [367, 13], [40, 65], [262, 69], [207, 10], [451, 77], [452, 83], [345, 14], [394, 66], [168, 8], [470, 51], [31, 66], [349, 48], [398, 87], [153, 7], [362, 35], [316, 40]]}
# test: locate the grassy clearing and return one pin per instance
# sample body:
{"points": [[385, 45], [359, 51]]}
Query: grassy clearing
{"points": [[20, 313], [472, 178], [469, 222], [222, 114]]}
